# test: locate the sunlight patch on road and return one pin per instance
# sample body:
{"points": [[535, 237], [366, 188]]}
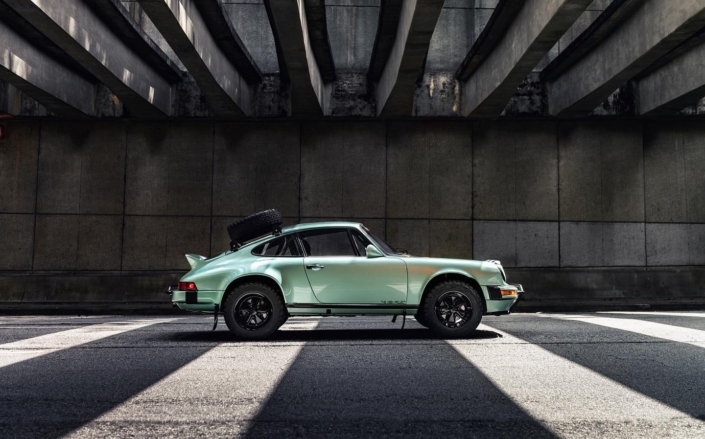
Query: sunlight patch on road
{"points": [[22, 350], [658, 313], [678, 334], [230, 384], [555, 390]]}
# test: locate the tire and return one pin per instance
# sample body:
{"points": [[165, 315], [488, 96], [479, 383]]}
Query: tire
{"points": [[420, 318], [464, 307], [254, 311], [254, 225]]}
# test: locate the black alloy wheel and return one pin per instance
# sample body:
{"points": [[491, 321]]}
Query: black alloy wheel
{"points": [[453, 309], [253, 311]]}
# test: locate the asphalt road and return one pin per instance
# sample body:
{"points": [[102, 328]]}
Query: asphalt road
{"points": [[526, 375]]}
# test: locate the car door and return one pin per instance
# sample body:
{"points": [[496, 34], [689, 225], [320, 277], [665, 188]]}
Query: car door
{"points": [[340, 273]]}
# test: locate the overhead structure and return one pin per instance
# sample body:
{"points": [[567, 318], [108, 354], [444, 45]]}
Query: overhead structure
{"points": [[516, 45], [389, 13], [675, 81], [650, 32], [318, 36], [74, 27], [499, 22], [616, 13], [403, 59], [310, 93], [24, 66], [208, 46]]}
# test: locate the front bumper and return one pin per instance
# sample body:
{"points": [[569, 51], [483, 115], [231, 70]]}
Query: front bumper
{"points": [[498, 304]]}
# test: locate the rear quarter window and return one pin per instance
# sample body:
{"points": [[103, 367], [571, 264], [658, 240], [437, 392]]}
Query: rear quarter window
{"points": [[282, 246]]}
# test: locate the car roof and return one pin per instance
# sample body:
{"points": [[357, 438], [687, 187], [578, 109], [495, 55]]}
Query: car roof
{"points": [[318, 225]]}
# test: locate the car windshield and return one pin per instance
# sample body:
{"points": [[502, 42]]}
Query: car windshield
{"points": [[381, 243]]}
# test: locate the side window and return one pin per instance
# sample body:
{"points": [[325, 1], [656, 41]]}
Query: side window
{"points": [[283, 246], [328, 242], [360, 242]]}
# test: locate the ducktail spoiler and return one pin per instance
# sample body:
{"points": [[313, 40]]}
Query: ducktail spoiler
{"points": [[195, 261]]}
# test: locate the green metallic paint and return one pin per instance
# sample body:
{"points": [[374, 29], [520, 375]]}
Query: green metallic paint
{"points": [[384, 280]]}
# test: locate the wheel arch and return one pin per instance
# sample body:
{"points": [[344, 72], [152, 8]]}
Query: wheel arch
{"points": [[249, 278], [453, 275]]}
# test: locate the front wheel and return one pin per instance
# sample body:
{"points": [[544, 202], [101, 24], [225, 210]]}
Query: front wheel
{"points": [[254, 311], [452, 309]]}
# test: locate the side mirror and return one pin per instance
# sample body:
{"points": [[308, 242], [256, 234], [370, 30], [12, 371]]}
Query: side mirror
{"points": [[372, 252]]}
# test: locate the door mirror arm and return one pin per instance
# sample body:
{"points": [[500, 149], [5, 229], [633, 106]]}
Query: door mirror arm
{"points": [[372, 252]]}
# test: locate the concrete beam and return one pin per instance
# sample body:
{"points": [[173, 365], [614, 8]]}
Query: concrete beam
{"points": [[389, 14], [395, 89], [76, 29], [224, 33], [318, 35], [40, 76], [650, 32], [616, 13], [122, 23], [675, 81], [183, 26], [501, 19], [538, 25], [310, 94]]}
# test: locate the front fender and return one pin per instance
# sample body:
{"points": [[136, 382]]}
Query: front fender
{"points": [[424, 272]]}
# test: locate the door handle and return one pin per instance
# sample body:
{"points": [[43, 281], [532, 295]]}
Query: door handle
{"points": [[315, 267]]}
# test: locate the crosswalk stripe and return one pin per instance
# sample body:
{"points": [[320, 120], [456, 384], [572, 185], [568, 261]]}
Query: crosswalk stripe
{"points": [[678, 334], [658, 313], [22, 350], [543, 383], [197, 387]]}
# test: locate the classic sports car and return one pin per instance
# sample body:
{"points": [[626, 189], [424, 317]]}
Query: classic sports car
{"points": [[336, 268]]}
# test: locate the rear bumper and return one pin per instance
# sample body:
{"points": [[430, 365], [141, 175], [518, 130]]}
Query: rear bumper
{"points": [[195, 300]]}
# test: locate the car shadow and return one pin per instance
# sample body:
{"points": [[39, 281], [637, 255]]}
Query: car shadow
{"points": [[224, 336], [392, 390]]}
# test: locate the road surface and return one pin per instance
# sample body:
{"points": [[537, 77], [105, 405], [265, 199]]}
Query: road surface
{"points": [[526, 375]]}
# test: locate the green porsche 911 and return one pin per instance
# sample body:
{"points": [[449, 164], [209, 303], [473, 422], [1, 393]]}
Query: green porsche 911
{"points": [[336, 268]]}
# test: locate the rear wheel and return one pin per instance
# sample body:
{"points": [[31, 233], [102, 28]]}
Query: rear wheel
{"points": [[452, 309], [254, 311]]}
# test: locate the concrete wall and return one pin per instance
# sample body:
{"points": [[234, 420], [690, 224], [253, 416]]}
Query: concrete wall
{"points": [[576, 210]]}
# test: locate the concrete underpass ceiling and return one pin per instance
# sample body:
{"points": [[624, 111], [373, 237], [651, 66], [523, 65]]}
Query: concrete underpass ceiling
{"points": [[352, 27]]}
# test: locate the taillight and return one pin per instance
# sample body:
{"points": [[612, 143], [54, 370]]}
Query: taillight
{"points": [[187, 286]]}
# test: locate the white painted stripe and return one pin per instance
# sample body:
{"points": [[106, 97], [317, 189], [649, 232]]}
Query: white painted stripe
{"points": [[678, 334], [229, 384], [658, 313], [21, 350], [556, 391]]}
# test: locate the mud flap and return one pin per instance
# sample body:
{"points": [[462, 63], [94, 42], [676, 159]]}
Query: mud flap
{"points": [[216, 308]]}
